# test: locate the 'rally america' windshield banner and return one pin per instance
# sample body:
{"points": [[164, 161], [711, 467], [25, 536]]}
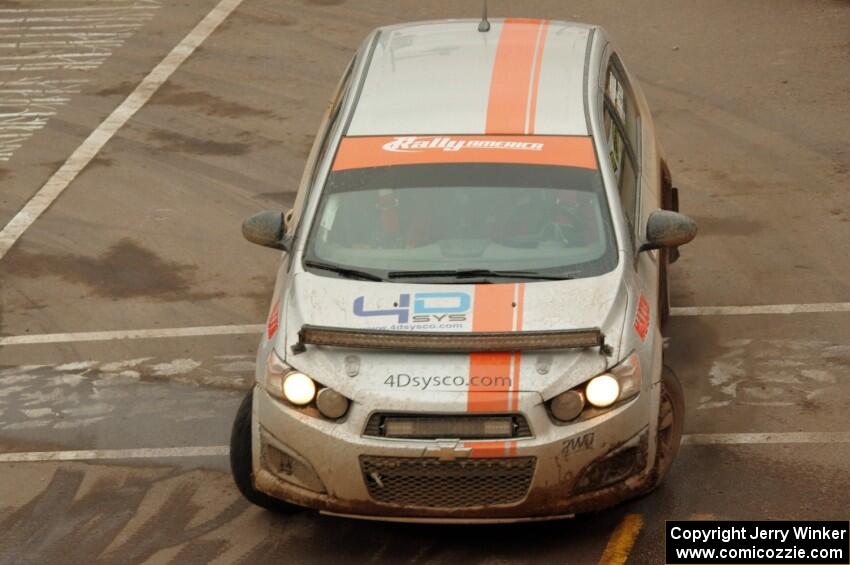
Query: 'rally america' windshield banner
{"points": [[364, 152]]}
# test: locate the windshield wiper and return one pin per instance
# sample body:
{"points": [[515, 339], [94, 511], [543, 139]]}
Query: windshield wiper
{"points": [[476, 273], [343, 271]]}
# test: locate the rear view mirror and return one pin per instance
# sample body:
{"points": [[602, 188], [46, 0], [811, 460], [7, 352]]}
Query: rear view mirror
{"points": [[266, 228], [666, 229]]}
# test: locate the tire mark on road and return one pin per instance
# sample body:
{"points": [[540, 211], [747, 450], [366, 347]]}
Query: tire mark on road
{"points": [[82, 394], [120, 515]]}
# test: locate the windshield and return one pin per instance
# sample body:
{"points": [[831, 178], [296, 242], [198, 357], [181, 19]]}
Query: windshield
{"points": [[523, 219]]}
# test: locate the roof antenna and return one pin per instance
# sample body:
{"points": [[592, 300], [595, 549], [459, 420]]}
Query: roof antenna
{"points": [[484, 24]]}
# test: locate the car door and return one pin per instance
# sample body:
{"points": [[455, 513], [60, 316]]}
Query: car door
{"points": [[622, 125]]}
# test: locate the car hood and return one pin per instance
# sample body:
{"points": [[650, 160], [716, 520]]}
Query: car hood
{"points": [[598, 302]]}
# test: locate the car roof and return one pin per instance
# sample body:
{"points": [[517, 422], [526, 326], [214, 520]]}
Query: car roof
{"points": [[523, 77]]}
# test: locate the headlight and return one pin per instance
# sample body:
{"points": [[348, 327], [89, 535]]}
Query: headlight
{"points": [[602, 391], [299, 389], [567, 405], [285, 383], [331, 404]]}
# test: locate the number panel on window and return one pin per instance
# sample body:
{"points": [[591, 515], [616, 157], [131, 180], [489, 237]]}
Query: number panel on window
{"points": [[621, 123]]}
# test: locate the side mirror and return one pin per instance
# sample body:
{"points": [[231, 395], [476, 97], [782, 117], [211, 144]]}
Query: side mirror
{"points": [[266, 228], [666, 229]]}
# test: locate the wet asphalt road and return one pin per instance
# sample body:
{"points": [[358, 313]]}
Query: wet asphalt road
{"points": [[751, 103]]}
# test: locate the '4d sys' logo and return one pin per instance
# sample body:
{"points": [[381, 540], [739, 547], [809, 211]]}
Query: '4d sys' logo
{"points": [[426, 307]]}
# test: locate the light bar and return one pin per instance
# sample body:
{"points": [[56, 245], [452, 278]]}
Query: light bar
{"points": [[446, 427], [448, 342]]}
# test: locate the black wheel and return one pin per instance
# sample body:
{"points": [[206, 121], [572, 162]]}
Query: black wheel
{"points": [[671, 423], [241, 461]]}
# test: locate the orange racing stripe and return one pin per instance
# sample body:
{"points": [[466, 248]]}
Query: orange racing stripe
{"points": [[491, 448], [492, 311], [520, 300], [495, 308], [538, 63], [512, 76]]}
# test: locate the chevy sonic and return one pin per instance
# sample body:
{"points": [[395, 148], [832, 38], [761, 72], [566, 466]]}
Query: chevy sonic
{"points": [[466, 324]]}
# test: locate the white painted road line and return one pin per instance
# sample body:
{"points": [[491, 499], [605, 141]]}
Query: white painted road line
{"points": [[824, 307], [258, 328], [99, 454], [81, 157], [131, 334], [223, 450], [760, 439]]}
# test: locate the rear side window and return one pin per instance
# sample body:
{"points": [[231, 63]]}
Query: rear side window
{"points": [[622, 132]]}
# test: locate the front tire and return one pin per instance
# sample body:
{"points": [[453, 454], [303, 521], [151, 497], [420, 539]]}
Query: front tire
{"points": [[671, 423], [241, 460]]}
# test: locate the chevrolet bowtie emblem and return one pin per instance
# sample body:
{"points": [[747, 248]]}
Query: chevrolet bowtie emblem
{"points": [[448, 451]]}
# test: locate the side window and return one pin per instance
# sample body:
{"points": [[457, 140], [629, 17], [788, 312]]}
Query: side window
{"points": [[622, 132]]}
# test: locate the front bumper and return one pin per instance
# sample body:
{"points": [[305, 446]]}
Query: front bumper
{"points": [[575, 468]]}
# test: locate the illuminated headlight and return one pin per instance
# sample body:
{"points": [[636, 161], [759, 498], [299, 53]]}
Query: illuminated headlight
{"points": [[285, 383], [602, 391], [299, 389]]}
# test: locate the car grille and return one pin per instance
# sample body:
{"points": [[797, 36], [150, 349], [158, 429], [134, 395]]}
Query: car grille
{"points": [[432, 483], [455, 426]]}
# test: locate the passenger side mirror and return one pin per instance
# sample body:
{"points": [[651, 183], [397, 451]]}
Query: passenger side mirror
{"points": [[666, 229], [267, 228]]}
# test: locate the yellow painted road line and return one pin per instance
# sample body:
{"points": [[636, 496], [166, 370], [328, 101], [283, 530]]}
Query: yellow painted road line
{"points": [[622, 540]]}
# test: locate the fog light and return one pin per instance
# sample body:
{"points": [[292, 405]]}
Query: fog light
{"points": [[299, 389], [602, 391], [615, 466], [331, 404], [289, 466], [567, 406]]}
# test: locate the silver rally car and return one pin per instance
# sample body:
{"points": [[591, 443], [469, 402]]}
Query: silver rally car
{"points": [[466, 320]]}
